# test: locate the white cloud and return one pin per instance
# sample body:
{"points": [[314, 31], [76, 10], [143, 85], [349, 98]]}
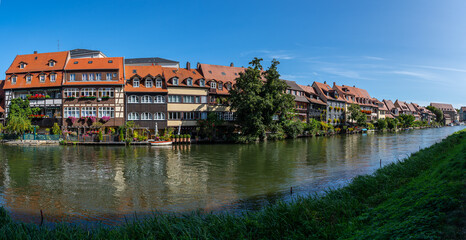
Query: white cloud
{"points": [[374, 58]]}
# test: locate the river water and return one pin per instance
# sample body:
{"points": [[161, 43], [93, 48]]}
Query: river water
{"points": [[105, 184]]}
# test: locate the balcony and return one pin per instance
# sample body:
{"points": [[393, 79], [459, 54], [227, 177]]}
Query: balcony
{"points": [[46, 122], [213, 90], [45, 102]]}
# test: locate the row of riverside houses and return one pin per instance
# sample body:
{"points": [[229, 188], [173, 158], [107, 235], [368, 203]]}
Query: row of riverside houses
{"points": [[79, 87]]}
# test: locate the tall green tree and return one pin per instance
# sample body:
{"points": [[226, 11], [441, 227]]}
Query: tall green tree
{"points": [[259, 96], [406, 120], [18, 120], [356, 115], [438, 114]]}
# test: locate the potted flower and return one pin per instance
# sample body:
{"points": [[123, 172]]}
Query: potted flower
{"points": [[92, 119], [188, 138], [72, 119], [105, 119]]}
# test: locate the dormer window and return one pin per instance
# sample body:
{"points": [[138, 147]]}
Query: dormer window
{"points": [[42, 78], [136, 82], [189, 81], [228, 86], [53, 77], [175, 81], [213, 85], [149, 83], [13, 79], [158, 83], [220, 86], [51, 63], [28, 79], [22, 65], [202, 83]]}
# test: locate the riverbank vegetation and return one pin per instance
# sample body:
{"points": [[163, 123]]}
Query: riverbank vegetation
{"points": [[421, 197]]}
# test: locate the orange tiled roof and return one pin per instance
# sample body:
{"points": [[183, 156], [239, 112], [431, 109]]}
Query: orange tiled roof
{"points": [[308, 89], [38, 62], [389, 104], [112, 63], [326, 88], [182, 74], [143, 71], [443, 106], [35, 82]]}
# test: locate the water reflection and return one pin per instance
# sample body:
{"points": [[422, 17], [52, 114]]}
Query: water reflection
{"points": [[84, 183]]}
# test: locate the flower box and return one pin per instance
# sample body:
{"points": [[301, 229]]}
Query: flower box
{"points": [[87, 98], [38, 116]]}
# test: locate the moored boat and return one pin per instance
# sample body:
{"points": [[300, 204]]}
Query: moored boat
{"points": [[160, 143]]}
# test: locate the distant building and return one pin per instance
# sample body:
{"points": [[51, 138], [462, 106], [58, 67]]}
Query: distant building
{"points": [[449, 112], [463, 114], [336, 104], [316, 107], [301, 102], [86, 53], [2, 102], [393, 111]]}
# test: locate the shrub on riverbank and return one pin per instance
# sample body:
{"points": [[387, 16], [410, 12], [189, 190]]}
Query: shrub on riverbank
{"points": [[421, 197]]}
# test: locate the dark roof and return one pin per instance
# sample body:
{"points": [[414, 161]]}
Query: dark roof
{"points": [[82, 51], [293, 86], [148, 60]]}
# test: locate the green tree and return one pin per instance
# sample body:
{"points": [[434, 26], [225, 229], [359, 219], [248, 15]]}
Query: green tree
{"points": [[208, 127], [438, 114], [292, 128], [382, 124], [258, 97], [355, 114], [18, 116], [406, 120], [56, 129], [392, 123]]}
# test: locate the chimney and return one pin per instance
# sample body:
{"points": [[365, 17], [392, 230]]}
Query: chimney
{"points": [[325, 82], [35, 52], [232, 65], [354, 85], [188, 65], [333, 83]]}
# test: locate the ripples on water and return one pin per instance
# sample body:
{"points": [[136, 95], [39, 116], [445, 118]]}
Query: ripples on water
{"points": [[88, 184]]}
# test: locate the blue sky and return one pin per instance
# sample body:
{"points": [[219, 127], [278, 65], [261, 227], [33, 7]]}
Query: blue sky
{"points": [[413, 50]]}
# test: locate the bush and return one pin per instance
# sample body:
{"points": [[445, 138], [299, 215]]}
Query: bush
{"points": [[293, 128]]}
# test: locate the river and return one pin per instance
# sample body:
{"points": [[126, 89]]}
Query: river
{"points": [[105, 184]]}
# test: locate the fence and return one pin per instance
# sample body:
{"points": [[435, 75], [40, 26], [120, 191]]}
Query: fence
{"points": [[92, 138], [40, 137]]}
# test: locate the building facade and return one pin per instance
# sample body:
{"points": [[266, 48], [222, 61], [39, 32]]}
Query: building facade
{"points": [[335, 112]]}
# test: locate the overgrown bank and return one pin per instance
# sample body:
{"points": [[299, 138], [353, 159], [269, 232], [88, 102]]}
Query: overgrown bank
{"points": [[422, 197]]}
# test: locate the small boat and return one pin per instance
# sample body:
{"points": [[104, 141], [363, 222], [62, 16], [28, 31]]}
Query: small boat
{"points": [[160, 143]]}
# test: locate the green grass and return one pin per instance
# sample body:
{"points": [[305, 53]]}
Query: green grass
{"points": [[421, 197]]}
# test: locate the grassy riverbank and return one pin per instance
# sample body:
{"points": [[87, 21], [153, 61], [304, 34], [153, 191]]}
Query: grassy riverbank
{"points": [[421, 197]]}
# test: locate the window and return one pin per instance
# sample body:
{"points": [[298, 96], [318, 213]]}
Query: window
{"points": [[228, 116], [88, 111], [53, 77], [88, 92], [91, 77], [202, 83], [106, 112], [204, 115], [133, 116], [13, 80], [28, 79], [197, 99], [203, 99], [71, 112], [146, 99], [114, 75], [175, 81], [149, 83], [228, 86], [136, 82], [174, 99], [133, 99], [146, 116], [189, 81], [98, 76], [42, 78], [174, 115], [51, 63], [158, 83], [159, 99], [159, 116], [213, 99], [109, 76], [106, 92], [71, 92], [213, 85], [84, 76], [220, 86], [22, 65], [188, 116], [188, 99]]}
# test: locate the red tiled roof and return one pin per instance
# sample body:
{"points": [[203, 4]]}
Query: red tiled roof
{"points": [[220, 73], [443, 106], [389, 104], [308, 89], [38, 62], [326, 88]]}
